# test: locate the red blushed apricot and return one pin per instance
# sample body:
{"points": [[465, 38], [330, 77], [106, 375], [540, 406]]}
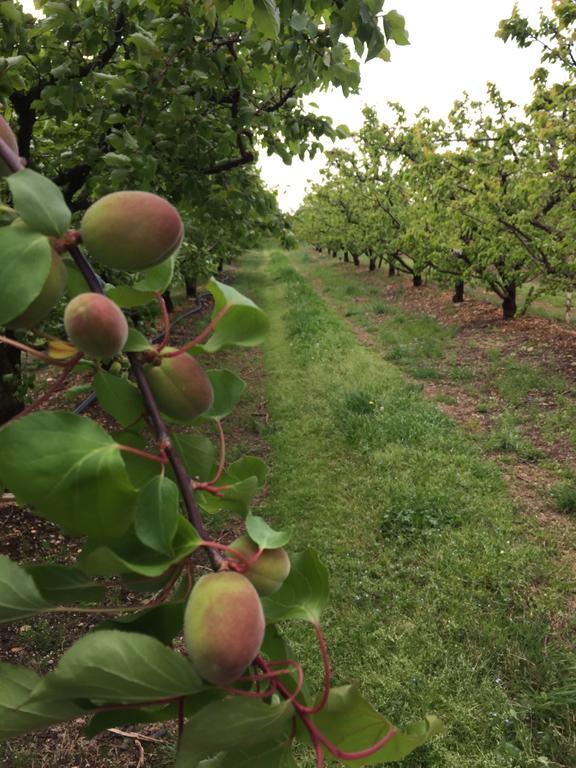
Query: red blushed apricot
{"points": [[7, 134], [95, 325], [269, 571], [223, 626], [52, 291], [131, 230], [180, 386]]}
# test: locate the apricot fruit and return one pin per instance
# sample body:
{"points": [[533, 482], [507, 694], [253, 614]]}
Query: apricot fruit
{"points": [[131, 230], [95, 325], [7, 134], [269, 571], [52, 291], [223, 626], [180, 386]]}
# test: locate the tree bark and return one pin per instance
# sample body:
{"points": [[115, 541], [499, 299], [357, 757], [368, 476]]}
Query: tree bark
{"points": [[221, 265], [168, 301], [509, 306], [391, 270], [356, 259], [10, 402], [346, 257], [191, 287], [417, 281], [372, 264], [458, 297]]}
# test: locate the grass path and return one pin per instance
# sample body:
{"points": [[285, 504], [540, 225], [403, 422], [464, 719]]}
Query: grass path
{"points": [[442, 598]]}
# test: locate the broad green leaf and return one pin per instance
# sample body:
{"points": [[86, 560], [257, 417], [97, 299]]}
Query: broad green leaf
{"points": [[198, 454], [395, 28], [269, 754], [228, 389], [136, 342], [265, 536], [19, 595], [118, 668], [127, 297], [25, 259], [235, 499], [304, 594], [156, 514], [127, 554], [352, 724], [228, 724], [267, 17], [61, 584], [243, 325], [17, 715], [157, 278], [70, 470], [163, 622], [118, 397], [248, 466], [40, 203], [140, 470]]}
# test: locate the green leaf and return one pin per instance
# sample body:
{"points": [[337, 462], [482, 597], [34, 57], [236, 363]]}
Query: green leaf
{"points": [[245, 476], [304, 594], [17, 715], [61, 584], [118, 668], [136, 342], [395, 28], [118, 397], [267, 17], [246, 467], [228, 724], [198, 454], [243, 325], [269, 754], [352, 724], [140, 469], [228, 389], [163, 622], [156, 515], [19, 595], [127, 554], [70, 470], [157, 278], [25, 259], [40, 203], [127, 297], [263, 535]]}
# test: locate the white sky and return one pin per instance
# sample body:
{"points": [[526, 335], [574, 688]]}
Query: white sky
{"points": [[453, 49]]}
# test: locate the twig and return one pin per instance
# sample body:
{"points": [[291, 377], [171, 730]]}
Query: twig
{"points": [[140, 736]]}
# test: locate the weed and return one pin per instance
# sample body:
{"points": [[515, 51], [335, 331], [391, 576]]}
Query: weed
{"points": [[564, 497]]}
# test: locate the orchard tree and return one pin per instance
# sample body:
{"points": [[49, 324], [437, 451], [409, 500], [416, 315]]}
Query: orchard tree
{"points": [[139, 496]]}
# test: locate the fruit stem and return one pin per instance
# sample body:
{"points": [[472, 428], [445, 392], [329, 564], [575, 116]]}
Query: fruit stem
{"points": [[326, 664], [201, 336], [206, 486], [143, 454], [36, 352], [224, 548], [165, 319]]}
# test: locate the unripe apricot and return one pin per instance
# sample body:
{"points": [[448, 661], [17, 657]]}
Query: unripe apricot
{"points": [[95, 325], [180, 386], [269, 571], [223, 626], [7, 134], [131, 230], [51, 292]]}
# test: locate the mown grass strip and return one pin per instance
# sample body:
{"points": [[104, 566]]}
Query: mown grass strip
{"points": [[442, 598]]}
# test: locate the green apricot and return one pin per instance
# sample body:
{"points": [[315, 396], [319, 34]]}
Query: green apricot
{"points": [[7, 134], [95, 325], [52, 291], [223, 626], [180, 386], [269, 571], [131, 230]]}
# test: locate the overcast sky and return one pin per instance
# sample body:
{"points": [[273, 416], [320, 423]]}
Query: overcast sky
{"points": [[453, 49]]}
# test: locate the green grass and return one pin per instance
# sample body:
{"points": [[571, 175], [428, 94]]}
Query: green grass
{"points": [[441, 597]]}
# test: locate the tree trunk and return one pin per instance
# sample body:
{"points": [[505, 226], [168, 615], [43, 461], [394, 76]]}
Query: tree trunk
{"points": [[458, 297], [168, 301], [380, 260], [391, 270], [346, 257], [10, 402], [221, 265], [568, 307], [416, 281], [356, 260], [372, 264], [333, 253], [509, 306], [191, 287]]}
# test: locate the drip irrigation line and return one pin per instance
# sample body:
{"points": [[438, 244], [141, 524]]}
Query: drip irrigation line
{"points": [[90, 399]]}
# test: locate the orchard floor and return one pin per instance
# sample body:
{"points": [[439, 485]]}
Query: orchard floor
{"points": [[400, 448]]}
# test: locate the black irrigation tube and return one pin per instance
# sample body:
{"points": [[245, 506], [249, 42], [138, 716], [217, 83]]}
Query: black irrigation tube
{"points": [[91, 398]]}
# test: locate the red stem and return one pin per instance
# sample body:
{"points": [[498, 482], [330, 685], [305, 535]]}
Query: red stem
{"points": [[224, 548], [201, 336], [166, 320], [143, 454], [36, 352], [326, 664], [218, 475]]}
